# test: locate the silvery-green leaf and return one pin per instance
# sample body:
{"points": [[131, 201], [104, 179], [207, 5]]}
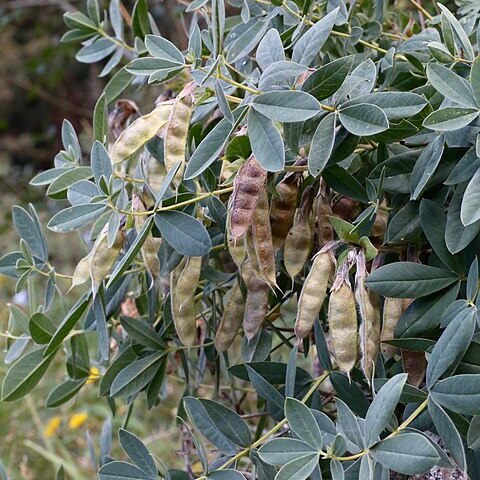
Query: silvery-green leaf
{"points": [[322, 144], [363, 120], [270, 49], [470, 209], [287, 106], [450, 118]]}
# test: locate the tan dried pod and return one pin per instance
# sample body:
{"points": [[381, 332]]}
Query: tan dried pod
{"points": [[381, 220], [103, 257], [262, 240], [342, 320], [325, 231], [252, 254], [392, 311], [176, 135], [183, 284], [313, 292], [282, 210], [415, 364], [234, 307], [155, 173], [368, 304], [247, 187], [256, 304], [151, 245], [298, 243], [82, 271], [236, 246], [138, 133]]}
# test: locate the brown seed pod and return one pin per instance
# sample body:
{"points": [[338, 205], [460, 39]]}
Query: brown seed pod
{"points": [[415, 364], [248, 185], [183, 284], [262, 240], [392, 311], [325, 231], [313, 293], [369, 309], [256, 304], [380, 224], [342, 319], [177, 131], [102, 258], [151, 245], [300, 237], [236, 246], [234, 307], [282, 210], [252, 254]]}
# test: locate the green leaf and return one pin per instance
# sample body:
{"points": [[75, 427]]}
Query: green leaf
{"points": [[302, 423], [68, 323], [298, 469], [228, 422], [450, 118], [75, 217], [348, 423], [425, 166], [451, 85], [24, 375], [202, 422], [142, 332], [100, 162], [140, 20], [64, 392], [138, 453], [451, 345], [280, 451], [29, 230], [67, 179], [382, 408], [266, 142], [100, 120], [395, 105], [184, 233], [322, 144], [460, 37], [163, 49], [409, 280], [264, 389], [470, 209], [212, 145], [247, 40], [96, 51], [136, 376], [448, 433], [311, 42], [286, 106], [363, 120], [336, 470], [270, 49], [345, 183], [117, 84], [227, 474], [475, 79], [473, 437], [325, 81], [457, 236], [408, 453], [122, 360], [122, 471], [460, 393], [350, 393], [41, 328]]}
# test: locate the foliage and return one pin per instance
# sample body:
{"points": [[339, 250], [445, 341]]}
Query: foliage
{"points": [[316, 157]]}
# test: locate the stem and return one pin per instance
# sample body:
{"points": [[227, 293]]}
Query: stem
{"points": [[421, 9], [275, 429]]}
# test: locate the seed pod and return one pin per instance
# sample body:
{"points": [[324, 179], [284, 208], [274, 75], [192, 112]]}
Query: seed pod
{"points": [[325, 231], [299, 239], [313, 293], [103, 258], [256, 305], [252, 254], [183, 284], [392, 311], [342, 319], [177, 131], [262, 240], [415, 364], [155, 173], [137, 134], [282, 210], [151, 245], [369, 309], [82, 271], [248, 185], [380, 224], [234, 307], [236, 246]]}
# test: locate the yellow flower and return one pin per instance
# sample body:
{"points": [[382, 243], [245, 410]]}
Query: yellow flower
{"points": [[77, 420], [52, 426], [94, 375]]}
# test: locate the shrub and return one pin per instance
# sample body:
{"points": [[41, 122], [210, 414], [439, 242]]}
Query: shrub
{"points": [[314, 158]]}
